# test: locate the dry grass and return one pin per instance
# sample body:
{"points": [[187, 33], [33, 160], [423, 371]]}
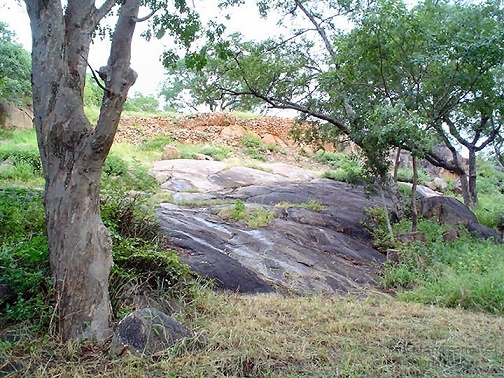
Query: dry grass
{"points": [[271, 336]]}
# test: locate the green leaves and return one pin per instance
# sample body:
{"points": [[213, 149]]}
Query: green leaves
{"points": [[15, 69]]}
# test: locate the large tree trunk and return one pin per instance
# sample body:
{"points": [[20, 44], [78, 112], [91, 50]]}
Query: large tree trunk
{"points": [[73, 152], [81, 255]]}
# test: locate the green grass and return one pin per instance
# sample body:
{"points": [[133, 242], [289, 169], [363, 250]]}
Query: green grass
{"points": [[252, 217], [313, 205], [466, 273], [189, 151]]}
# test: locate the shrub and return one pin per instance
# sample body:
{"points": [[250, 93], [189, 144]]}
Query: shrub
{"points": [[24, 261], [155, 144], [21, 162]]}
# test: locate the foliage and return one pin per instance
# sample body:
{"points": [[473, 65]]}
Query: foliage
{"points": [[19, 159], [24, 262], [467, 272], [119, 175], [155, 144], [186, 88], [189, 151], [15, 69], [141, 103], [256, 148], [406, 175], [93, 93], [393, 79]]}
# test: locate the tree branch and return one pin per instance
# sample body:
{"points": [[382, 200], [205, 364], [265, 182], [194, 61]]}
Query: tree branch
{"points": [[142, 19], [103, 11], [320, 30]]}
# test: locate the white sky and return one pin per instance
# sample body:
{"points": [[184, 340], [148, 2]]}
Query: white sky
{"points": [[145, 57]]}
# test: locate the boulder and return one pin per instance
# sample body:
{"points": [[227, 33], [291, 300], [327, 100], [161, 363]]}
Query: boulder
{"points": [[301, 251], [170, 153], [484, 232], [446, 210], [13, 117], [145, 332], [233, 131], [451, 235], [449, 210]]}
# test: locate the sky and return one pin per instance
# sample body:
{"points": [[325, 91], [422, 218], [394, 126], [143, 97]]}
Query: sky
{"points": [[145, 57]]}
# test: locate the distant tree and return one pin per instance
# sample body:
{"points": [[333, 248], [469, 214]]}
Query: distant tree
{"points": [[93, 94], [141, 103], [187, 88], [15, 69]]}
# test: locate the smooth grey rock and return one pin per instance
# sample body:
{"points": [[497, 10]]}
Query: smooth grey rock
{"points": [[484, 232], [446, 210], [145, 332], [301, 251]]}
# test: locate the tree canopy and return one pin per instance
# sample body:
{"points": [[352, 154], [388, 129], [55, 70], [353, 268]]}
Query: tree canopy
{"points": [[15, 69], [392, 75]]}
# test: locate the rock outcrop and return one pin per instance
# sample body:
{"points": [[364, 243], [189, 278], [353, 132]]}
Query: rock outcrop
{"points": [[301, 250]]}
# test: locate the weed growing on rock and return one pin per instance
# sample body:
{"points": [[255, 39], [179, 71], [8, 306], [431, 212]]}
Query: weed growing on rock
{"points": [[313, 205], [254, 218]]}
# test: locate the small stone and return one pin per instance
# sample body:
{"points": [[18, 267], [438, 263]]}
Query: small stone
{"points": [[410, 237], [450, 235], [440, 184], [170, 153], [202, 157]]}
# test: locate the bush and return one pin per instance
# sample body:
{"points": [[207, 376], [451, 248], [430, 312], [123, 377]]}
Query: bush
{"points": [[119, 175], [20, 162], [156, 144], [24, 261]]}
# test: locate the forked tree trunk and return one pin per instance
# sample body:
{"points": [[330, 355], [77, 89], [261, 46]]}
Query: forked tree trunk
{"points": [[73, 152]]}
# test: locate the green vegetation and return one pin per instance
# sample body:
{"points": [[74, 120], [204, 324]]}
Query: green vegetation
{"points": [[143, 264], [189, 151], [313, 205], [256, 148], [253, 218], [344, 167], [20, 162], [15, 69], [466, 272]]}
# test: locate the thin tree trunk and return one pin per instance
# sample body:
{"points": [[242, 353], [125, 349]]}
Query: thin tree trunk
{"points": [[473, 194], [414, 212], [397, 160], [465, 189], [385, 211]]}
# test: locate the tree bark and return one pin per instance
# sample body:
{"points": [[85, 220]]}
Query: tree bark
{"points": [[414, 212], [473, 193], [73, 153]]}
